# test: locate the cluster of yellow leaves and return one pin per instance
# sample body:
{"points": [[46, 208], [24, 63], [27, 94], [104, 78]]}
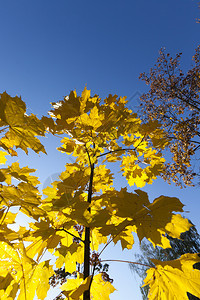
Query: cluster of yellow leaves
{"points": [[111, 130], [21, 275], [84, 195]]}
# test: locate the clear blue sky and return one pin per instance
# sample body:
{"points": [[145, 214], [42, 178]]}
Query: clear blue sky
{"points": [[48, 48]]}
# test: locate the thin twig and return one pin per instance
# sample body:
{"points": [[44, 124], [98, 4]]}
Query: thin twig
{"points": [[126, 261], [92, 276], [196, 148], [122, 149], [63, 229], [88, 156], [113, 151]]}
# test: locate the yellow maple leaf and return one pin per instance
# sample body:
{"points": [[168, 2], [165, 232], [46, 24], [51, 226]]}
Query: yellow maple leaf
{"points": [[103, 179], [42, 236], [74, 288], [70, 254], [2, 157], [24, 271], [23, 129], [171, 280], [24, 195], [97, 239], [84, 98], [152, 220], [177, 225], [21, 174], [101, 289]]}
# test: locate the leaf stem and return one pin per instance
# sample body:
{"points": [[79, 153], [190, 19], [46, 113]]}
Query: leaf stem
{"points": [[126, 261]]}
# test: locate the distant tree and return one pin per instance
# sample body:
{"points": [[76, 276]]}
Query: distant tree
{"points": [[189, 243], [173, 100], [198, 19]]}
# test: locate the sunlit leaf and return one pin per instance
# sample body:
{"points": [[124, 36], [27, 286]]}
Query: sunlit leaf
{"points": [[173, 279]]}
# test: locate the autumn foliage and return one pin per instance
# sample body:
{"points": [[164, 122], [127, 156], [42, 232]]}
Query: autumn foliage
{"points": [[83, 210], [173, 100]]}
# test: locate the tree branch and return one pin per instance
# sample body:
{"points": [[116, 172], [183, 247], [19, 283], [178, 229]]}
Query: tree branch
{"points": [[63, 229], [126, 261], [127, 149]]}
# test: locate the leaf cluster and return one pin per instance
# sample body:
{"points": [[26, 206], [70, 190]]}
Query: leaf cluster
{"points": [[82, 210]]}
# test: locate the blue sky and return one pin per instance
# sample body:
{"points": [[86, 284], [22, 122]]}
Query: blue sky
{"points": [[51, 47], [48, 48]]}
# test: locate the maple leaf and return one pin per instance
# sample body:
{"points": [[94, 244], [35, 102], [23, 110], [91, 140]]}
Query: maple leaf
{"points": [[74, 288], [174, 279], [25, 195], [24, 271], [21, 174], [97, 239], [150, 220], [177, 225], [23, 129], [100, 288], [120, 230], [103, 179], [43, 237], [68, 145], [70, 254], [7, 288], [2, 157]]}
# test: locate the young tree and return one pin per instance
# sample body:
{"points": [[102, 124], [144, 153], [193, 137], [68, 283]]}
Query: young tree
{"points": [[173, 100], [189, 242], [83, 209]]}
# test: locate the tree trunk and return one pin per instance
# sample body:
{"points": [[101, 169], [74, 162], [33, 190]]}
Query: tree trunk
{"points": [[86, 272]]}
